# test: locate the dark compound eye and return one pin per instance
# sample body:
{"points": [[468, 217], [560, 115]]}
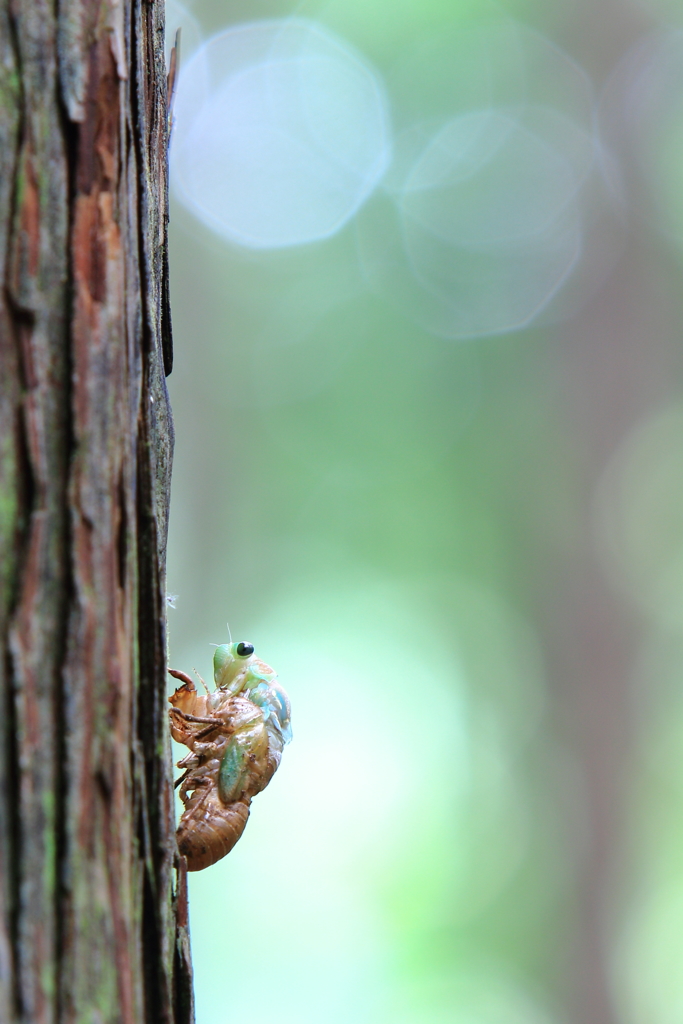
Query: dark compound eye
{"points": [[244, 650]]}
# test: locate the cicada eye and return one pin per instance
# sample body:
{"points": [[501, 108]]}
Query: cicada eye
{"points": [[244, 650]]}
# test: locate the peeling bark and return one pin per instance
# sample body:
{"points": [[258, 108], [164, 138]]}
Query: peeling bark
{"points": [[92, 925]]}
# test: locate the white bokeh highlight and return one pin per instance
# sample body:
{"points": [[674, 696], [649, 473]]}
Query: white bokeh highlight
{"points": [[281, 133], [486, 227], [481, 220]]}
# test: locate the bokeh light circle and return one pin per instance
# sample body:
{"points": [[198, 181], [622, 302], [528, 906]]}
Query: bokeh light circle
{"points": [[281, 133], [484, 214], [485, 228]]}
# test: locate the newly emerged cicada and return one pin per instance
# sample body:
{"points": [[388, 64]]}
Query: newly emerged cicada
{"points": [[236, 736]]}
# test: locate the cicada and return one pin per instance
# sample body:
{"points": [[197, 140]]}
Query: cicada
{"points": [[236, 736]]}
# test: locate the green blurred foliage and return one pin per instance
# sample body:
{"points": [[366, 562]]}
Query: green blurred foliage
{"points": [[445, 548]]}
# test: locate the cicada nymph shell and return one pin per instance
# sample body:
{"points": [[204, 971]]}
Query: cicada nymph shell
{"points": [[235, 736]]}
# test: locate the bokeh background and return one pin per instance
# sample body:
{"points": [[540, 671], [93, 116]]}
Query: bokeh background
{"points": [[427, 282]]}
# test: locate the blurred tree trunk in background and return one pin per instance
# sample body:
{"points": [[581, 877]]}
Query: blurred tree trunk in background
{"points": [[612, 380], [90, 926]]}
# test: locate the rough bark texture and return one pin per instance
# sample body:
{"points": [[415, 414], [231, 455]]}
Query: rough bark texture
{"points": [[91, 929]]}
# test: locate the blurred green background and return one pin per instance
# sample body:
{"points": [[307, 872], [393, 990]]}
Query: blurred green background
{"points": [[460, 547]]}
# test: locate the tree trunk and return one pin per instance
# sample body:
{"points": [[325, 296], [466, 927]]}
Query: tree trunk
{"points": [[91, 929]]}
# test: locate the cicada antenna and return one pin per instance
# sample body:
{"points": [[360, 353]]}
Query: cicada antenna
{"points": [[229, 633]]}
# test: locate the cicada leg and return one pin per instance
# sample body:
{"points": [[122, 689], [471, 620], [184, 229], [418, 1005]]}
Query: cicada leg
{"points": [[184, 678], [190, 760], [185, 698], [213, 720], [218, 723], [206, 688], [182, 726], [181, 730], [201, 784]]}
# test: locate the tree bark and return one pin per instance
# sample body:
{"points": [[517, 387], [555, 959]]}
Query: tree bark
{"points": [[93, 927]]}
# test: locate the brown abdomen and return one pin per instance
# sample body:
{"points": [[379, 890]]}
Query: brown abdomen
{"points": [[210, 829]]}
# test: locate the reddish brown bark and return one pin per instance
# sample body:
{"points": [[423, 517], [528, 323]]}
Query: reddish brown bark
{"points": [[90, 925]]}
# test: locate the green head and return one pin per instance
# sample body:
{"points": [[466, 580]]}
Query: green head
{"points": [[230, 663]]}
